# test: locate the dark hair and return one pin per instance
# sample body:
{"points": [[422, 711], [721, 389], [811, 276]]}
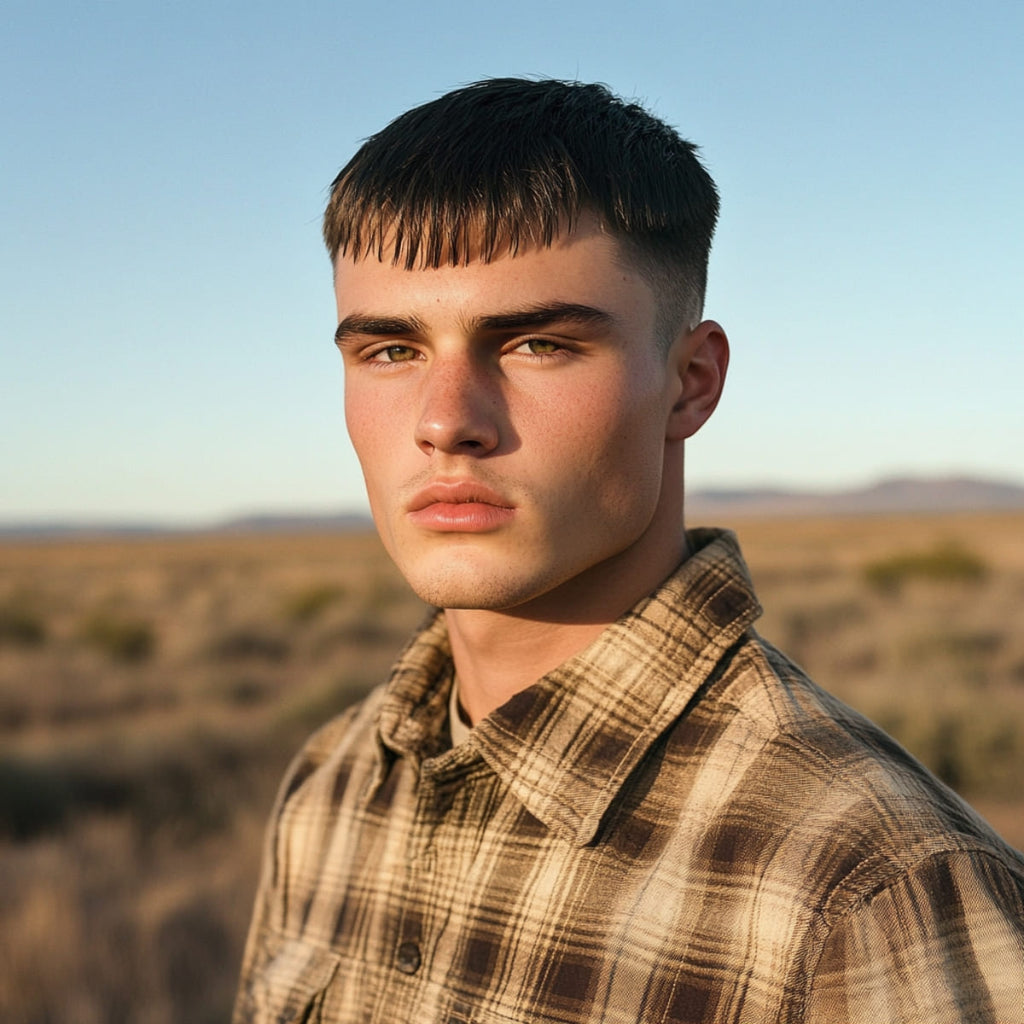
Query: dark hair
{"points": [[508, 163]]}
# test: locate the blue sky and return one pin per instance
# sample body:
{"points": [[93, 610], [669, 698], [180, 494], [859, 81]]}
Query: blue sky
{"points": [[165, 303]]}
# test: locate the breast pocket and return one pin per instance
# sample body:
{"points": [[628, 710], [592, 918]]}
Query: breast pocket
{"points": [[292, 986]]}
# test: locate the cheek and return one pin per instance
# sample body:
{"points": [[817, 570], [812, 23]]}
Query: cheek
{"points": [[365, 422], [610, 447]]}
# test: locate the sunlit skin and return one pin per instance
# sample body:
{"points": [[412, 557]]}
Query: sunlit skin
{"points": [[520, 431]]}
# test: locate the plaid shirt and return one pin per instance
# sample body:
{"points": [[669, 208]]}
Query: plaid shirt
{"points": [[674, 825]]}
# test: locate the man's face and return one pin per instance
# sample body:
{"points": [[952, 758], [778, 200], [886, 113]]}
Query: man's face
{"points": [[510, 419]]}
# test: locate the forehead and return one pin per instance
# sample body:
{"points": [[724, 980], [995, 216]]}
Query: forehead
{"points": [[586, 265]]}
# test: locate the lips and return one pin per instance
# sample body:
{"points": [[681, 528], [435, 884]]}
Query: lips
{"points": [[459, 506], [457, 492]]}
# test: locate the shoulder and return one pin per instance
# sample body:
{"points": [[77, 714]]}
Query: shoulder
{"points": [[869, 811], [941, 938], [913, 903]]}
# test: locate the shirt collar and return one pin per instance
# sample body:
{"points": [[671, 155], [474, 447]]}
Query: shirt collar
{"points": [[565, 745]]}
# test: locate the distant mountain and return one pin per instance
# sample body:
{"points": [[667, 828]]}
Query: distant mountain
{"points": [[267, 523], [58, 530], [293, 523], [893, 495], [890, 496]]}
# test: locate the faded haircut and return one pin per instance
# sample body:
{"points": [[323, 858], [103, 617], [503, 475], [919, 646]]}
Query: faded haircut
{"points": [[508, 164]]}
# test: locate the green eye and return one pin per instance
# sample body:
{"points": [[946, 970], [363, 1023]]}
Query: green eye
{"points": [[541, 346], [396, 354]]}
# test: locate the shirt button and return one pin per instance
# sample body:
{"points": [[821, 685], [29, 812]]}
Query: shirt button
{"points": [[409, 959]]}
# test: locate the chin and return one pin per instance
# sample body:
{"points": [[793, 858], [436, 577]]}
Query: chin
{"points": [[474, 587], [477, 594]]}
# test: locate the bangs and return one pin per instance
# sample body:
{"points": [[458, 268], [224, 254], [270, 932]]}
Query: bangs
{"points": [[416, 225]]}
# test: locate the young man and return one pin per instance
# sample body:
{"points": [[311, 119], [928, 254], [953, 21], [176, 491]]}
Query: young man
{"points": [[589, 790]]}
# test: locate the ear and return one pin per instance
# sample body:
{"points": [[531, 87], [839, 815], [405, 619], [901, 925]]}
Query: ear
{"points": [[698, 358]]}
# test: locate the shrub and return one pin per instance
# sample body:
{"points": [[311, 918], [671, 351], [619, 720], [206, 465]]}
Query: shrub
{"points": [[823, 619], [123, 639], [308, 603], [309, 710], [34, 798], [976, 753], [946, 563], [973, 748], [21, 624], [245, 643], [243, 691], [185, 782], [385, 591]]}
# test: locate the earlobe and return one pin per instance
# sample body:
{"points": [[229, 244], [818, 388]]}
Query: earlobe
{"points": [[701, 358]]}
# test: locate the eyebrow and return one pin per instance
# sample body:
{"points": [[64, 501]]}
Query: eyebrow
{"points": [[530, 317], [543, 314], [368, 325]]}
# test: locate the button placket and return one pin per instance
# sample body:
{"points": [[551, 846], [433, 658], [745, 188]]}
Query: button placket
{"points": [[420, 859], [434, 801]]}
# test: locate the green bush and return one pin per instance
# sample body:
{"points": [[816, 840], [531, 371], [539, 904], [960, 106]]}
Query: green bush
{"points": [[308, 603], [21, 624], [945, 563], [123, 639], [974, 748]]}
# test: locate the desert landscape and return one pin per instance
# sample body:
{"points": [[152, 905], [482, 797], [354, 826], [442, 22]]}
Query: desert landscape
{"points": [[152, 690]]}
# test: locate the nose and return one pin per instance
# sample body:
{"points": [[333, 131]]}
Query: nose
{"points": [[459, 409]]}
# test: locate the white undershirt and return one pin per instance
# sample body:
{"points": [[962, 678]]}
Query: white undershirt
{"points": [[456, 716]]}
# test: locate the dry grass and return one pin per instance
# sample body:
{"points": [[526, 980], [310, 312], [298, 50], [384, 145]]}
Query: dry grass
{"points": [[151, 692]]}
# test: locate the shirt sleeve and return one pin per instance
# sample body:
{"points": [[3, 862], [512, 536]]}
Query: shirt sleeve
{"points": [[263, 944], [944, 942], [257, 952]]}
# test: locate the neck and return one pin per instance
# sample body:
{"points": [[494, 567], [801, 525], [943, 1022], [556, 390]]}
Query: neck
{"points": [[498, 653]]}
